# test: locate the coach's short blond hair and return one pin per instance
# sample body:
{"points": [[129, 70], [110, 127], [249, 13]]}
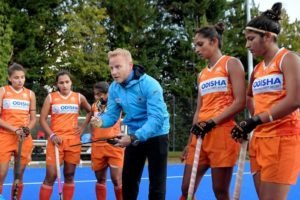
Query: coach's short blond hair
{"points": [[119, 51]]}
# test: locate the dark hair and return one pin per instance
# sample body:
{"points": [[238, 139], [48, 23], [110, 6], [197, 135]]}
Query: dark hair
{"points": [[61, 73], [268, 20], [212, 32], [15, 67], [102, 86]]}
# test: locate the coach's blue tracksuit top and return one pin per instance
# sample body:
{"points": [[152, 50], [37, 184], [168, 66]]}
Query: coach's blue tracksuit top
{"points": [[141, 99]]}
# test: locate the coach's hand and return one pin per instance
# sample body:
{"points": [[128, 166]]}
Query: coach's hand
{"points": [[244, 128], [122, 141], [202, 128], [96, 122]]}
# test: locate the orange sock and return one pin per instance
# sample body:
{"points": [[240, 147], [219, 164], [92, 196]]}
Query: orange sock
{"points": [[1, 188], [45, 192], [100, 191], [68, 191], [118, 193], [20, 190]]}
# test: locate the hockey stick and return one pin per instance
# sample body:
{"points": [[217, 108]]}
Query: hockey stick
{"points": [[240, 172], [194, 169], [108, 139], [18, 169], [58, 172]]}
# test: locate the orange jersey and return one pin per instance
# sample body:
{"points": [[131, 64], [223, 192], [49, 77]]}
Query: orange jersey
{"points": [[104, 132], [215, 89], [268, 89], [15, 107], [64, 113]]}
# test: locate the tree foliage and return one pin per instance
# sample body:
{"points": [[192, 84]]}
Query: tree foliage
{"points": [[6, 34]]}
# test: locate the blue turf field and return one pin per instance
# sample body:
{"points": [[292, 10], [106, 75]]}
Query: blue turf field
{"points": [[85, 183]]}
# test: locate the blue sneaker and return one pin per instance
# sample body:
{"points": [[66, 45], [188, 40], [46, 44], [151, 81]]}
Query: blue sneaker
{"points": [[1, 197]]}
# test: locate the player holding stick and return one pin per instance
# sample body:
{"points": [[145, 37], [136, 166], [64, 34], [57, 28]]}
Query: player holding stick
{"points": [[18, 110], [64, 106], [221, 96], [104, 154], [274, 99]]}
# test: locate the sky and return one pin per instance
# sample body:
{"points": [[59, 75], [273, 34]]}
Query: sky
{"points": [[291, 6]]}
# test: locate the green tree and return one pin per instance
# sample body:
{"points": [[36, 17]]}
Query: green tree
{"points": [[83, 48], [55, 34], [6, 34], [290, 33]]}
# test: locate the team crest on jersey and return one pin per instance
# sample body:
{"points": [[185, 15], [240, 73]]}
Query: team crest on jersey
{"points": [[270, 83], [72, 99], [24, 95], [118, 100], [8, 94], [218, 69], [64, 108], [55, 99], [218, 84], [15, 104]]}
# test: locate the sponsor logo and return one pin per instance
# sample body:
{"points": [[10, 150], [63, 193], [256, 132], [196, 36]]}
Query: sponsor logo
{"points": [[16, 104], [270, 83], [64, 108], [118, 100], [218, 84]]}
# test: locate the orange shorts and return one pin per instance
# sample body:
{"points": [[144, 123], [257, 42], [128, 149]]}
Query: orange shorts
{"points": [[218, 149], [9, 146], [66, 153], [276, 158], [107, 155]]}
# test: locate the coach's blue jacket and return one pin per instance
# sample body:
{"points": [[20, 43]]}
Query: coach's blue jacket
{"points": [[141, 99]]}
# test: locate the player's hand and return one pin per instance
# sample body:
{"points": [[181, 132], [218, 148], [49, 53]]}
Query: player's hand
{"points": [[23, 131], [202, 128], [96, 122], [244, 128], [55, 139], [184, 153], [79, 130]]}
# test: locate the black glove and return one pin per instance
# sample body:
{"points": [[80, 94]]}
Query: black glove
{"points": [[242, 130], [113, 140], [26, 130], [202, 128]]}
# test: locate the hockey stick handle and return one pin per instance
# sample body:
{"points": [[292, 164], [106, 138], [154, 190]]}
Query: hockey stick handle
{"points": [[194, 169], [240, 171], [18, 168], [58, 171]]}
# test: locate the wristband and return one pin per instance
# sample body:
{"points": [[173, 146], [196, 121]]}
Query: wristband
{"points": [[52, 135], [17, 130], [270, 115]]}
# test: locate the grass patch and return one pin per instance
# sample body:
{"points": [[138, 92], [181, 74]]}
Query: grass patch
{"points": [[174, 156]]}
